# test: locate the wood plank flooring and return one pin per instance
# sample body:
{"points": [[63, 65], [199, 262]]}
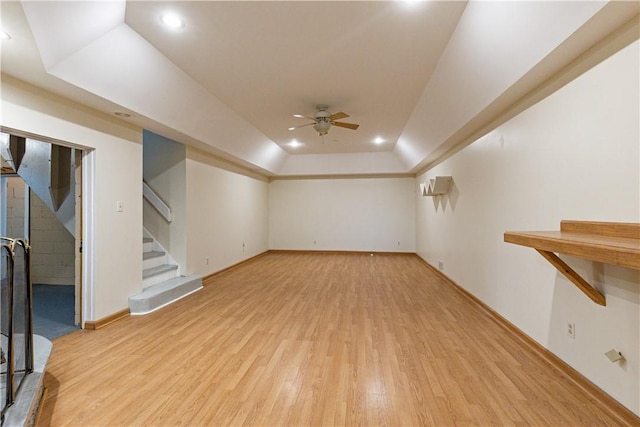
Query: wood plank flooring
{"points": [[312, 339]]}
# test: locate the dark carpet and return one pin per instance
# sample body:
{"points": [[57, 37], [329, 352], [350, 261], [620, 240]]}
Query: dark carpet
{"points": [[53, 310]]}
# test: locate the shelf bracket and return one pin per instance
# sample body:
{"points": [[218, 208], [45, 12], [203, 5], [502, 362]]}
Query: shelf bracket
{"points": [[574, 277]]}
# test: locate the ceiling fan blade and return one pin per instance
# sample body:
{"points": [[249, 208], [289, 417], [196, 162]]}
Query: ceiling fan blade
{"points": [[338, 116], [301, 126], [351, 126], [301, 116]]}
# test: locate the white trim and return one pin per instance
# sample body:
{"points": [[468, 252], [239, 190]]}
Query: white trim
{"points": [[166, 303], [88, 235], [3, 205], [156, 202]]}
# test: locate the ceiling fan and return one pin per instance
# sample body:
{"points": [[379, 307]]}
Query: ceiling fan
{"points": [[323, 120]]}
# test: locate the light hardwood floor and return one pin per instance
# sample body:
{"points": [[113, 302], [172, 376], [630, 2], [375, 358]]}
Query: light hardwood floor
{"points": [[312, 339]]}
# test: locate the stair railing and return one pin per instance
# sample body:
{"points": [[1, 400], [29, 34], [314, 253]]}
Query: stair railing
{"points": [[155, 201], [8, 247]]}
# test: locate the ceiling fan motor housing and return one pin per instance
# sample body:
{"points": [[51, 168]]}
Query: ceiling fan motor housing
{"points": [[323, 121], [322, 113]]}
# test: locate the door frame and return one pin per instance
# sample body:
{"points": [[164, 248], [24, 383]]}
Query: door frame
{"points": [[88, 234], [85, 309]]}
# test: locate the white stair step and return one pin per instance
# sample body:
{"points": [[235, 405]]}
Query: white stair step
{"points": [[164, 293], [152, 254], [153, 259], [150, 272], [147, 244], [155, 275]]}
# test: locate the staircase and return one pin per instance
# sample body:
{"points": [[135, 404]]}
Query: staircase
{"points": [[49, 171], [162, 283]]}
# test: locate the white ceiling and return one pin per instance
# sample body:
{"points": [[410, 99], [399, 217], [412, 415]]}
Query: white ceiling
{"points": [[270, 60], [422, 75]]}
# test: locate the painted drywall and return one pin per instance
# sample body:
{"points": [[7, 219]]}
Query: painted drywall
{"points": [[227, 214], [339, 164], [574, 155], [164, 170], [116, 152], [361, 214], [122, 66], [493, 47]]}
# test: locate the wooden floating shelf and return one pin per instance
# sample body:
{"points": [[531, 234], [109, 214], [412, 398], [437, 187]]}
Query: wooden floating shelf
{"points": [[607, 242]]}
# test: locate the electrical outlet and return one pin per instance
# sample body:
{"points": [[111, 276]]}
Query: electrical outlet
{"points": [[441, 265], [398, 243], [571, 330], [206, 261]]}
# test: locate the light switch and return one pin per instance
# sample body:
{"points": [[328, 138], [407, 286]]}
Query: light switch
{"points": [[119, 206]]}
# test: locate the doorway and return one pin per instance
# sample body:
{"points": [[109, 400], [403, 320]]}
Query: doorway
{"points": [[42, 201]]}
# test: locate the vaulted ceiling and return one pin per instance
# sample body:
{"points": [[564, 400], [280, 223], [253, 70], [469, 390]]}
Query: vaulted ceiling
{"points": [[418, 77]]}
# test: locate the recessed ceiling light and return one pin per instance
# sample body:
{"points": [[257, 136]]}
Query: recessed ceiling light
{"points": [[122, 114], [300, 116], [378, 140], [294, 144], [172, 20], [5, 36], [411, 3]]}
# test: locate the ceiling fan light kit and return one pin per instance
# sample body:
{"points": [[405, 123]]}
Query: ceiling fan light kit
{"points": [[323, 120], [322, 127]]}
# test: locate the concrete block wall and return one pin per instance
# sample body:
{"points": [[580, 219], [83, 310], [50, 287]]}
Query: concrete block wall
{"points": [[52, 256], [14, 226], [52, 261], [15, 207]]}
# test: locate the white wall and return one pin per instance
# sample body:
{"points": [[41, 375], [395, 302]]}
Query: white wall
{"points": [[226, 209], [117, 154], [360, 214], [575, 155]]}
